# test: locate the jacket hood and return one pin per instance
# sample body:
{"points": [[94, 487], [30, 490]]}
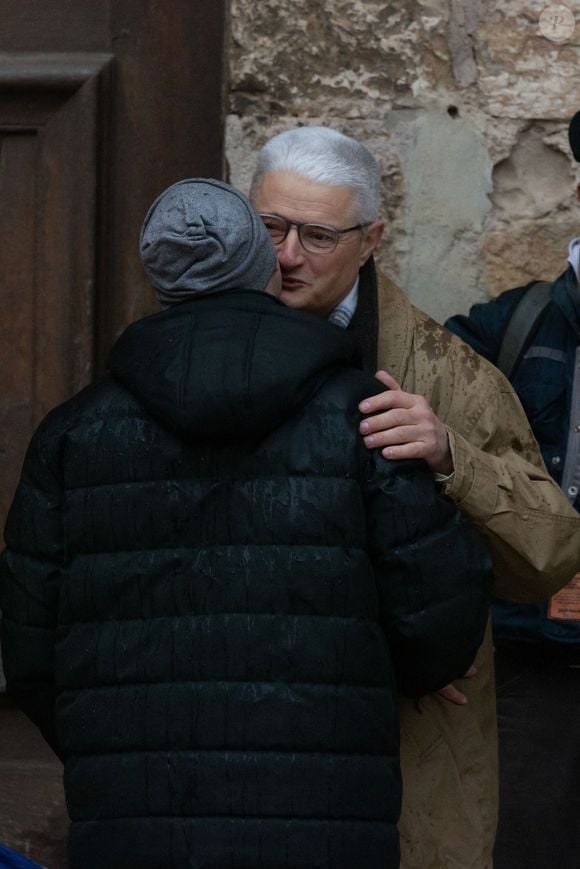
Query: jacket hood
{"points": [[230, 366]]}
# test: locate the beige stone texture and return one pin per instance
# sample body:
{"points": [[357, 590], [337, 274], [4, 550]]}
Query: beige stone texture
{"points": [[534, 180], [535, 251], [327, 58], [464, 103], [522, 74]]}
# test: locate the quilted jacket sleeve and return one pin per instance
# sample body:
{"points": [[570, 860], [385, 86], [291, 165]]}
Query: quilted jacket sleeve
{"points": [[485, 326], [433, 573], [29, 588]]}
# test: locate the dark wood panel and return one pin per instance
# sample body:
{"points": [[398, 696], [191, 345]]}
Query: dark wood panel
{"points": [[168, 111], [18, 156], [48, 189], [54, 25], [66, 252], [86, 143], [33, 818], [18, 107], [49, 72]]}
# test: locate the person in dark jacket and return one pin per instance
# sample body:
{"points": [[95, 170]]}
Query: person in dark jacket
{"points": [[537, 646], [213, 588]]}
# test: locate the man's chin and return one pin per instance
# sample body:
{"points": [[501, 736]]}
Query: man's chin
{"points": [[301, 300], [293, 298]]}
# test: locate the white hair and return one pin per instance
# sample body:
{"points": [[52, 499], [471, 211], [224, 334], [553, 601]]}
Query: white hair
{"points": [[326, 157]]}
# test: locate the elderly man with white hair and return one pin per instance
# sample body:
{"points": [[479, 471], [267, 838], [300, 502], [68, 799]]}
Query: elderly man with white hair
{"points": [[318, 194]]}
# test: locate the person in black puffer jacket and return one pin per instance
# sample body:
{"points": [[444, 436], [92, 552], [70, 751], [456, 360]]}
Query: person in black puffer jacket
{"points": [[212, 590]]}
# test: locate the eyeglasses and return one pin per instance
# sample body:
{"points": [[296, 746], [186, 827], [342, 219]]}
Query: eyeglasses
{"points": [[314, 237]]}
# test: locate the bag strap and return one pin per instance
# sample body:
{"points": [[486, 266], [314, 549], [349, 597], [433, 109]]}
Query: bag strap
{"points": [[522, 322]]}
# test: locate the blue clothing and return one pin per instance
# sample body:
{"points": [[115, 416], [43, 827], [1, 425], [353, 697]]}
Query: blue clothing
{"points": [[12, 860], [547, 381]]}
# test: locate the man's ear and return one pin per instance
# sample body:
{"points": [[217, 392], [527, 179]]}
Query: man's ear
{"points": [[371, 240]]}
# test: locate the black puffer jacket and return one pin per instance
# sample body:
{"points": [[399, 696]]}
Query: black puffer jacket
{"points": [[221, 585]]}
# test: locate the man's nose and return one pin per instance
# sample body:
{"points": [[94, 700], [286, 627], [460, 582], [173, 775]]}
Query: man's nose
{"points": [[290, 252]]}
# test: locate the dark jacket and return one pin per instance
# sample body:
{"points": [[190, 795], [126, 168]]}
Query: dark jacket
{"points": [[223, 587], [546, 378]]}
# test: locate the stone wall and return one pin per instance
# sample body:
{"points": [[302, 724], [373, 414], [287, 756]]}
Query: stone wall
{"points": [[465, 104]]}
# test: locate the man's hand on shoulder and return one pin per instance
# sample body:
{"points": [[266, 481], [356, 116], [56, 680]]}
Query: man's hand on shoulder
{"points": [[451, 692], [404, 426]]}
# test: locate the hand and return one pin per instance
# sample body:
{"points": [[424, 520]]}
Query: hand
{"points": [[405, 427], [453, 694]]}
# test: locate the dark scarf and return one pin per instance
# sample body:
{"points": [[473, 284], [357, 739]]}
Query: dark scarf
{"points": [[573, 290], [364, 326]]}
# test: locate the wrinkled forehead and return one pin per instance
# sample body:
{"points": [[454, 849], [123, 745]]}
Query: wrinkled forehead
{"points": [[298, 198]]}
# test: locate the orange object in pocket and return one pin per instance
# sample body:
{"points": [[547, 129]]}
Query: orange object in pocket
{"points": [[565, 604]]}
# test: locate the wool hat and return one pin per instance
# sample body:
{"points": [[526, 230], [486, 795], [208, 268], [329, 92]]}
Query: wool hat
{"points": [[201, 236], [574, 136]]}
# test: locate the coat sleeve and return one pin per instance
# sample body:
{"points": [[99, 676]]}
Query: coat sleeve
{"points": [[500, 479], [501, 483], [30, 570], [433, 573]]}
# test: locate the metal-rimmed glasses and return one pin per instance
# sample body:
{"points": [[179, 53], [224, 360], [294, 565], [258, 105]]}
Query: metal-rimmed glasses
{"points": [[314, 237]]}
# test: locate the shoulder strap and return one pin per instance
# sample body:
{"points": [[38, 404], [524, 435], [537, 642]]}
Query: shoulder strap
{"points": [[522, 321]]}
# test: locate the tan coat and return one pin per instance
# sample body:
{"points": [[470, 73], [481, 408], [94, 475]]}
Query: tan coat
{"points": [[448, 752]]}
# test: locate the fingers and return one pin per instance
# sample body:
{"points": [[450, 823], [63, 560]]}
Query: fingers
{"points": [[404, 426], [413, 450], [453, 695], [398, 417], [385, 401], [401, 436], [405, 442], [387, 379]]}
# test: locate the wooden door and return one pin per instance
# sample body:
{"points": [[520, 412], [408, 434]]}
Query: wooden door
{"points": [[102, 105]]}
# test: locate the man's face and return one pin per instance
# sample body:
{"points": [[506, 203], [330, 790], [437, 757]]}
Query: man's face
{"points": [[316, 282]]}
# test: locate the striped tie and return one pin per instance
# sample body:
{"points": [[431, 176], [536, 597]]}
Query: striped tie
{"points": [[340, 317]]}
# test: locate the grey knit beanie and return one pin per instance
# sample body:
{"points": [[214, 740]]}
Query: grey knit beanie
{"points": [[201, 236]]}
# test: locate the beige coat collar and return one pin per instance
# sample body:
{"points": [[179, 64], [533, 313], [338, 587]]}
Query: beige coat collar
{"points": [[395, 342]]}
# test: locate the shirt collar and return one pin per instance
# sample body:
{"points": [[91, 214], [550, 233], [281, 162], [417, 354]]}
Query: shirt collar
{"points": [[574, 256]]}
